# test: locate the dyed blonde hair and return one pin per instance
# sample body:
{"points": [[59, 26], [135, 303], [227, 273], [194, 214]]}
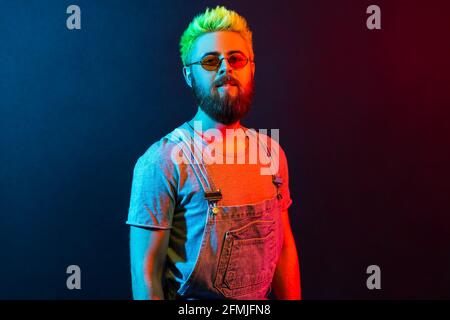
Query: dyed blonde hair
{"points": [[212, 20]]}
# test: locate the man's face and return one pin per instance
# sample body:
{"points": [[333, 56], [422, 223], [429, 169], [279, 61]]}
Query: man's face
{"points": [[224, 94]]}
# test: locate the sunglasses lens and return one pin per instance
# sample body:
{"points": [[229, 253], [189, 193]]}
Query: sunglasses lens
{"points": [[210, 63], [237, 60]]}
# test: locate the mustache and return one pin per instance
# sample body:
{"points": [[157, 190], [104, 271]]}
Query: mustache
{"points": [[227, 79]]}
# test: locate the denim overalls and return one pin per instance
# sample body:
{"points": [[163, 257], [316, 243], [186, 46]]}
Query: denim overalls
{"points": [[240, 245]]}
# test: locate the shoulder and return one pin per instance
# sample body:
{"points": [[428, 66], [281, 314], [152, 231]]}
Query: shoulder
{"points": [[159, 154], [159, 151]]}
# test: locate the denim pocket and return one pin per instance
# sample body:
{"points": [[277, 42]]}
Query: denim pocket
{"points": [[246, 263]]}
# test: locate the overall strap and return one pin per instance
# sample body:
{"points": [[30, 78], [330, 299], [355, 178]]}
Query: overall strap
{"points": [[193, 155], [268, 150], [277, 180]]}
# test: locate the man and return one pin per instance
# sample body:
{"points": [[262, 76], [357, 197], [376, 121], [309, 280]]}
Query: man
{"points": [[202, 225]]}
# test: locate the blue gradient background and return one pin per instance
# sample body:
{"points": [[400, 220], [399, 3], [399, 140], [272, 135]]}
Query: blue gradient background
{"points": [[363, 118]]}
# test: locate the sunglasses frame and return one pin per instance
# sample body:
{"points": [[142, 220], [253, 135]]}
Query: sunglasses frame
{"points": [[220, 63]]}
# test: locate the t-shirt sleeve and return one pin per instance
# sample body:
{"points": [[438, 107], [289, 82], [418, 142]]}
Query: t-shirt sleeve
{"points": [[153, 190], [286, 200]]}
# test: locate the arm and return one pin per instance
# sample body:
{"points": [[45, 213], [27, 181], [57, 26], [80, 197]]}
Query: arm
{"points": [[286, 280], [148, 249]]}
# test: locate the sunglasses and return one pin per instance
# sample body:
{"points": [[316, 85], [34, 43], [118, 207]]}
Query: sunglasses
{"points": [[212, 62]]}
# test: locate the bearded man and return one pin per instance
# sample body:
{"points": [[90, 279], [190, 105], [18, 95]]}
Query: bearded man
{"points": [[202, 229]]}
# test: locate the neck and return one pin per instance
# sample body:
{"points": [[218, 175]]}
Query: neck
{"points": [[208, 123]]}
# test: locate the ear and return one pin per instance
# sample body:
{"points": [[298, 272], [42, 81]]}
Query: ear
{"points": [[253, 66], [187, 76]]}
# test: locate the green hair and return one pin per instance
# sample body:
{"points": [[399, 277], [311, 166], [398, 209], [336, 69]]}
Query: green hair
{"points": [[212, 20]]}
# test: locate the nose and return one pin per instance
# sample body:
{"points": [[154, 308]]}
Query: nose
{"points": [[224, 67]]}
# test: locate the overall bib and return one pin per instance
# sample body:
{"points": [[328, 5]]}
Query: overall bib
{"points": [[240, 245]]}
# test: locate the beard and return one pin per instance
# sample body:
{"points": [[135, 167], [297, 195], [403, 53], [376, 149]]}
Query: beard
{"points": [[225, 109]]}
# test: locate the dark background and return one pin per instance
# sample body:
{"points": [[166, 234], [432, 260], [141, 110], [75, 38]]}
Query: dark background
{"points": [[363, 119]]}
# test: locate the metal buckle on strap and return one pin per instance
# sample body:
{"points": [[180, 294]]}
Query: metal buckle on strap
{"points": [[213, 197], [277, 180]]}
